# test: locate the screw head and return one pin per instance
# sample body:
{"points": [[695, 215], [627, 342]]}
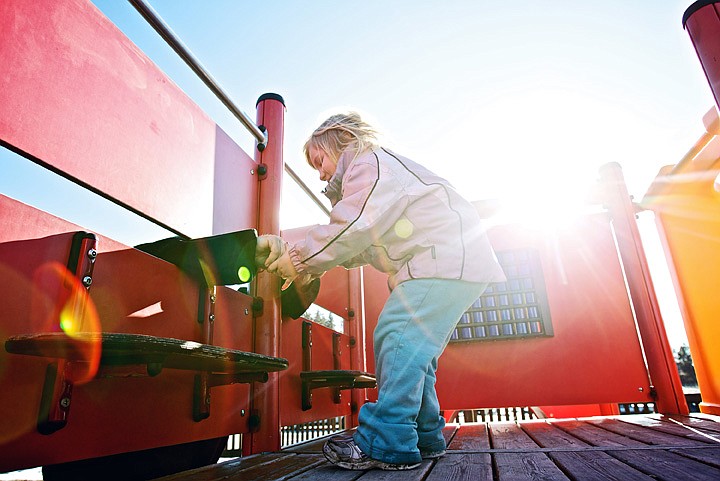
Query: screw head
{"points": [[65, 402], [87, 280], [92, 253]]}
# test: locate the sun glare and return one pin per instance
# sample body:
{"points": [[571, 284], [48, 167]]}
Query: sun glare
{"points": [[539, 152]]}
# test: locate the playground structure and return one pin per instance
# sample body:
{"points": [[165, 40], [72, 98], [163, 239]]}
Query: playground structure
{"points": [[113, 356]]}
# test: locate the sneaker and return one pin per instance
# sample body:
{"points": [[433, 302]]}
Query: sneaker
{"points": [[432, 454], [344, 453]]}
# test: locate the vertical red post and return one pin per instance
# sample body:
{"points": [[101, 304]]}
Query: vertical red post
{"points": [[702, 22], [661, 363], [266, 397], [356, 316]]}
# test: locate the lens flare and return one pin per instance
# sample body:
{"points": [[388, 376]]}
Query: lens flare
{"points": [[403, 228], [68, 308], [244, 274]]}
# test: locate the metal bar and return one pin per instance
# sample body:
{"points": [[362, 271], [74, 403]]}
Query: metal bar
{"points": [[169, 36], [659, 358], [152, 17], [697, 147], [306, 189], [155, 21]]}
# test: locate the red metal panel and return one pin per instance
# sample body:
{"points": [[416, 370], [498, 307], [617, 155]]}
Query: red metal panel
{"points": [[78, 96], [235, 195], [594, 355], [132, 292]]}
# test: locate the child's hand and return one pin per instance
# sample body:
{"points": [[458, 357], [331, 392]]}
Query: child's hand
{"points": [[284, 268], [269, 249]]}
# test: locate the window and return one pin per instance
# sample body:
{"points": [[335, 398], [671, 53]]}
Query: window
{"points": [[516, 308]]}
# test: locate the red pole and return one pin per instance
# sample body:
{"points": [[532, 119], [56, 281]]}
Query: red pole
{"points": [[265, 420], [661, 363], [703, 25], [356, 318]]}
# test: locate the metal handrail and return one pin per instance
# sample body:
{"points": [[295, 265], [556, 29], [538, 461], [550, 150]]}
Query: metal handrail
{"points": [[306, 189], [176, 44], [152, 17]]}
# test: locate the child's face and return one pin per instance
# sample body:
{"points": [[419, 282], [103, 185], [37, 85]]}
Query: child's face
{"points": [[322, 162]]}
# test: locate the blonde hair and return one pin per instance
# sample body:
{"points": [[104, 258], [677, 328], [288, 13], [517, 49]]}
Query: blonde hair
{"points": [[340, 132]]}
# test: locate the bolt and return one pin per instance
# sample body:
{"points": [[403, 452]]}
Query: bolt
{"points": [[207, 400], [92, 253], [212, 317], [212, 298], [242, 412], [247, 311], [640, 389], [262, 169], [87, 280], [252, 171], [65, 402]]}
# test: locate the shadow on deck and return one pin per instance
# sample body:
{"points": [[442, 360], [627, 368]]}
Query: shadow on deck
{"points": [[634, 447]]}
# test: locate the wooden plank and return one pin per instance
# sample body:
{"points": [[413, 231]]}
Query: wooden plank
{"points": [[664, 425], [470, 437], [659, 463], [273, 466], [520, 466], [583, 465], [209, 473], [464, 466], [327, 472], [644, 433], [703, 416], [707, 456], [449, 432], [703, 422], [119, 349], [417, 474]]}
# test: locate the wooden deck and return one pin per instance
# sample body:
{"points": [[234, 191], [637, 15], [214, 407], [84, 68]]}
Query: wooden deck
{"points": [[633, 447]]}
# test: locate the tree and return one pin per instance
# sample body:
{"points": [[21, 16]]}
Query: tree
{"points": [[326, 318], [683, 359]]}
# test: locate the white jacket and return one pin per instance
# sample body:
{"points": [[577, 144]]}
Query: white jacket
{"points": [[402, 219]]}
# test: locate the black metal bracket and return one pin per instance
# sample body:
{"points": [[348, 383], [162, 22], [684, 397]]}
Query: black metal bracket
{"points": [[58, 386], [338, 379]]}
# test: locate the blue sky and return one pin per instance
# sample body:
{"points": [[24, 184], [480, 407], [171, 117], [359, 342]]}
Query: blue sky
{"points": [[519, 100]]}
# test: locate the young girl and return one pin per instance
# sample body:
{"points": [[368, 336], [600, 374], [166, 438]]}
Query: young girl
{"points": [[406, 221]]}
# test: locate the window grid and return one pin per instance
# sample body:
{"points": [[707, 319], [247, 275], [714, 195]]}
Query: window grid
{"points": [[516, 308]]}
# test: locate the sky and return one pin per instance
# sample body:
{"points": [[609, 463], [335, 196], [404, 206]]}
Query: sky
{"points": [[519, 100]]}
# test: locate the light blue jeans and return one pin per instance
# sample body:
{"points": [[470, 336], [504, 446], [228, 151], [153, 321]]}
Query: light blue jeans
{"points": [[412, 331]]}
